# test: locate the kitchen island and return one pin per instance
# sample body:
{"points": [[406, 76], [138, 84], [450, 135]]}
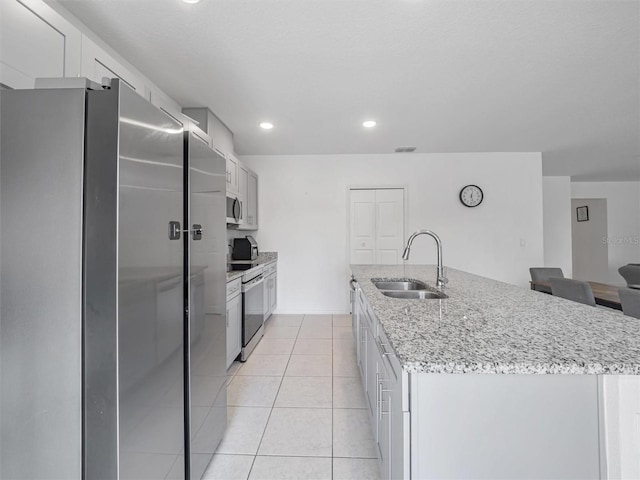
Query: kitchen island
{"points": [[495, 381]]}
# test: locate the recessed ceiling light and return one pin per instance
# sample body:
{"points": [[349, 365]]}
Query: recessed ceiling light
{"points": [[369, 124], [191, 1], [266, 125]]}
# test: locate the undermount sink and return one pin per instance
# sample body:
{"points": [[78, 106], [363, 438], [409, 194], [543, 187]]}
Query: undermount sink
{"points": [[400, 285], [414, 294], [406, 288]]}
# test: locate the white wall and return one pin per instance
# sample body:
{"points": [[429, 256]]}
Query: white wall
{"points": [[556, 205], [304, 216], [623, 218]]}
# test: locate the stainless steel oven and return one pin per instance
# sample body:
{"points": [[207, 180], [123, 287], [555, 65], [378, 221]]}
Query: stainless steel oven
{"points": [[252, 310]]}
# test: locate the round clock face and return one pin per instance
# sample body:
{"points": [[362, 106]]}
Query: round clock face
{"points": [[471, 196]]}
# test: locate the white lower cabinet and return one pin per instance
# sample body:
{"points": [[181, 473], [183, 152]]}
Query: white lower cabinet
{"points": [[234, 320], [382, 379], [273, 292], [270, 289]]}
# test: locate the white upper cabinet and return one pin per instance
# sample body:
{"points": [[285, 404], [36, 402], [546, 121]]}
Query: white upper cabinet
{"points": [[222, 138], [243, 185], [98, 64], [170, 107], [248, 189], [36, 42], [252, 200], [233, 174]]}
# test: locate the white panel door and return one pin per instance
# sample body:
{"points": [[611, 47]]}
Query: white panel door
{"points": [[377, 226], [363, 226], [389, 226]]}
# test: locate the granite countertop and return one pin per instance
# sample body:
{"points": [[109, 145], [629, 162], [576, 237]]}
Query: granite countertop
{"points": [[486, 326], [264, 258]]}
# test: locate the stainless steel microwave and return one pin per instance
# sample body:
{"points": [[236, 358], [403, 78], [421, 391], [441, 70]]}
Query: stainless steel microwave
{"points": [[234, 210]]}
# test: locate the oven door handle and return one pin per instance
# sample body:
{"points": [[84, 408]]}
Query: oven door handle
{"points": [[248, 286]]}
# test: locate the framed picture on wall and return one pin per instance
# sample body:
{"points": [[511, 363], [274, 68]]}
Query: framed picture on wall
{"points": [[582, 214]]}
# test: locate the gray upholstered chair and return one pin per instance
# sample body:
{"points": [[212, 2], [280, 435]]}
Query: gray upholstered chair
{"points": [[572, 290], [631, 273], [630, 300], [543, 274]]}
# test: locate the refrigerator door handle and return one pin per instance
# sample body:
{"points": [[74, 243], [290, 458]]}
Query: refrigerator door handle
{"points": [[196, 231], [174, 231]]}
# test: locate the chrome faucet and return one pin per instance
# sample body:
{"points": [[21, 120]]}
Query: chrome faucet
{"points": [[440, 280]]}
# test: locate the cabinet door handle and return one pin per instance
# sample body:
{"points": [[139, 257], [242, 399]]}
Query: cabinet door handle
{"points": [[382, 412], [383, 349], [378, 394]]}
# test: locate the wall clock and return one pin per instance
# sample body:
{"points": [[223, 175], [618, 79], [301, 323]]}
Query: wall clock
{"points": [[471, 196]]}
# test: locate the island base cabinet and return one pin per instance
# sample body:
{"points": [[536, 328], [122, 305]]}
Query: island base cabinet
{"points": [[385, 389], [505, 426]]}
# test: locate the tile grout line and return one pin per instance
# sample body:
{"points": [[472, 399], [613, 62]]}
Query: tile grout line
{"points": [[332, 400], [273, 405]]}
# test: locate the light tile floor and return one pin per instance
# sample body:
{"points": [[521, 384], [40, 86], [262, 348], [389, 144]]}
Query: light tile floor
{"points": [[296, 407]]}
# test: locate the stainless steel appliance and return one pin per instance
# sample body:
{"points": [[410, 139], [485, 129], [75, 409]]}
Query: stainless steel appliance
{"points": [[205, 363], [96, 302], [245, 248], [252, 310], [234, 209]]}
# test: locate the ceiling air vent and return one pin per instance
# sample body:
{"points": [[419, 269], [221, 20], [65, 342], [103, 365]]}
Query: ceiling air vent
{"points": [[405, 149]]}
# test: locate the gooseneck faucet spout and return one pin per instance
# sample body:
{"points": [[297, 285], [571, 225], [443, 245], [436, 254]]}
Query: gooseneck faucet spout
{"points": [[440, 280]]}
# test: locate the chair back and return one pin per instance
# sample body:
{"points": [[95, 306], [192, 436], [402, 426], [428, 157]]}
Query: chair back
{"points": [[631, 273], [570, 289], [543, 274], [630, 300]]}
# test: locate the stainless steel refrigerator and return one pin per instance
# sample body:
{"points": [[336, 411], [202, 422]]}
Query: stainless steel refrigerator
{"points": [[112, 253]]}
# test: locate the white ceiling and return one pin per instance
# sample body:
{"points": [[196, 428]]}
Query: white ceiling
{"points": [[557, 76]]}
